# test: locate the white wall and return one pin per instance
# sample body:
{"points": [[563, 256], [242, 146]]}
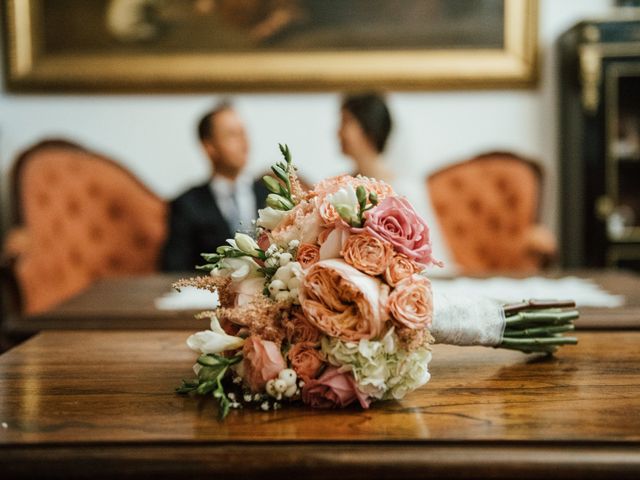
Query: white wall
{"points": [[153, 135]]}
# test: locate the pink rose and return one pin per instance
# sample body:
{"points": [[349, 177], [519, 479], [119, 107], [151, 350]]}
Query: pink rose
{"points": [[262, 362], [411, 303], [332, 390], [395, 221]]}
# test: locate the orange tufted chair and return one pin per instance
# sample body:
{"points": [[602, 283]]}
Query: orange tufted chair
{"points": [[80, 217], [487, 208]]}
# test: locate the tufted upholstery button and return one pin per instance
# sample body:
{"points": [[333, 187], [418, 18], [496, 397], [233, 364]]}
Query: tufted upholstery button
{"points": [[96, 233], [87, 218], [140, 240], [493, 222], [73, 206], [43, 199], [115, 211], [75, 257], [474, 205], [93, 190]]}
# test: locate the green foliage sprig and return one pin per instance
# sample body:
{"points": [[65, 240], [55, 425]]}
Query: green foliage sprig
{"points": [[281, 196], [210, 380]]}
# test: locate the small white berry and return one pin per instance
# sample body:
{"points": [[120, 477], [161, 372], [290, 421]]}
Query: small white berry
{"points": [[291, 391], [271, 389], [247, 397], [282, 296], [232, 396], [293, 282], [294, 294], [276, 286], [285, 258], [280, 385], [264, 406], [288, 375], [294, 244]]}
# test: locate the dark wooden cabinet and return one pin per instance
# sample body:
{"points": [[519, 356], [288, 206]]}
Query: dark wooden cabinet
{"points": [[599, 113]]}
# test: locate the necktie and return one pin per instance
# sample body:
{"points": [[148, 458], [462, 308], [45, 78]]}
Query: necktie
{"points": [[233, 213]]}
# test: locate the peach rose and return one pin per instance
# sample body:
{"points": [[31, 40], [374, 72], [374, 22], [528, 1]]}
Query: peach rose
{"points": [[308, 254], [411, 302], [262, 362], [306, 360], [302, 223], [367, 253], [400, 268], [299, 329], [395, 221], [344, 302], [334, 389]]}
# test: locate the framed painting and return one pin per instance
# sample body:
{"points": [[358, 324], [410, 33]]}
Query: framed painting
{"points": [[223, 45]]}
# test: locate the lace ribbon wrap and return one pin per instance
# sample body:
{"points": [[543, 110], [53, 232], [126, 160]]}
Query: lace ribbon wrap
{"points": [[467, 320]]}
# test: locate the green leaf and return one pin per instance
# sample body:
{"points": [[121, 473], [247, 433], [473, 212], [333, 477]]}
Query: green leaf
{"points": [[208, 360], [210, 373], [206, 387]]}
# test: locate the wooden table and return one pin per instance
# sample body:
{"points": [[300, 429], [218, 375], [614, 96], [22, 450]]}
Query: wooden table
{"points": [[128, 303], [101, 404]]}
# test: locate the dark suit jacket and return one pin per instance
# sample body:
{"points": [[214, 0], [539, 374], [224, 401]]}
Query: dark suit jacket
{"points": [[196, 225]]}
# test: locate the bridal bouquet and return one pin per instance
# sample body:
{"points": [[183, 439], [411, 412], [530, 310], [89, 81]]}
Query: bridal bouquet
{"points": [[327, 302]]}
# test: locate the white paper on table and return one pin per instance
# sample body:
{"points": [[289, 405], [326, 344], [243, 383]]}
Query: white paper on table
{"points": [[188, 298], [584, 292]]}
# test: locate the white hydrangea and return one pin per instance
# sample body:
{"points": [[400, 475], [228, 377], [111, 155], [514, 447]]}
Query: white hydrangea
{"points": [[381, 369]]}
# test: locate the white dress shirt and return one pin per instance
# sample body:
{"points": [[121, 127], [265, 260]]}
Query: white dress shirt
{"points": [[236, 200]]}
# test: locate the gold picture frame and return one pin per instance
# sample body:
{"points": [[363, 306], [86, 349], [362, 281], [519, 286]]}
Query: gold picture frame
{"points": [[29, 69]]}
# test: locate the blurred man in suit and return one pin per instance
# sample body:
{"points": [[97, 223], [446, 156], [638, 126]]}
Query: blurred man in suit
{"points": [[202, 218]]}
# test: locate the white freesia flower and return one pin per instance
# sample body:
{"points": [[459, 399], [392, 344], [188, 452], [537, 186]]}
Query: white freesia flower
{"points": [[237, 268], [270, 218], [344, 196], [381, 368], [247, 244], [214, 340]]}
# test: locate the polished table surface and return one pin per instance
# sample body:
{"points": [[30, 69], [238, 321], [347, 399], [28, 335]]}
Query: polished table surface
{"points": [[128, 303], [100, 403]]}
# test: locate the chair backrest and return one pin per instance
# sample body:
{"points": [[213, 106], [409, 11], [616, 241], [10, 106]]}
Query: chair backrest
{"points": [[85, 218], [486, 207]]}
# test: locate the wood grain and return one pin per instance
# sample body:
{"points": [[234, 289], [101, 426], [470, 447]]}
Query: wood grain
{"points": [[107, 397]]}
